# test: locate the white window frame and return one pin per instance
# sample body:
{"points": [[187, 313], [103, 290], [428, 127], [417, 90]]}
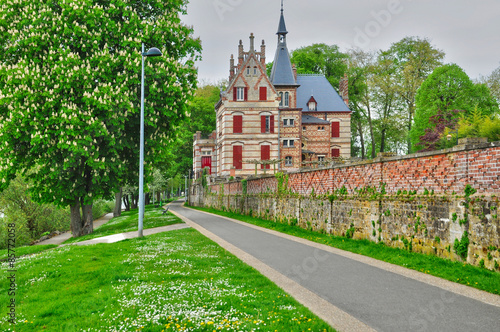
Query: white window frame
{"points": [[287, 99], [289, 122], [321, 159], [313, 106], [288, 161], [240, 94], [255, 71], [281, 99], [288, 143]]}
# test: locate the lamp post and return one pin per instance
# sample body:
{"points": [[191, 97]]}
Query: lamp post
{"points": [[185, 188], [151, 53]]}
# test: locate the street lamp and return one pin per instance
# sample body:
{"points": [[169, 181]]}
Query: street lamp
{"points": [[151, 52]]}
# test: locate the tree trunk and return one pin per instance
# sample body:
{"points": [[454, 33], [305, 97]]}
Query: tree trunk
{"points": [[361, 140], [81, 223], [147, 199], [382, 141], [118, 204], [126, 201], [372, 136], [134, 201], [411, 110]]}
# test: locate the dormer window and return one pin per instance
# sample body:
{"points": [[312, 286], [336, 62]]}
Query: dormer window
{"points": [[255, 71], [312, 104], [248, 71]]}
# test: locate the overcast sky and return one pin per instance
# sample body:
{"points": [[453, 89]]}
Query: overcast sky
{"points": [[468, 31]]}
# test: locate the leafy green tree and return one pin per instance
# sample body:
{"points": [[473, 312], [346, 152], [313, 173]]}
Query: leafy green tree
{"points": [[388, 107], [70, 94], [479, 125], [201, 118], [414, 59], [493, 83], [448, 88], [321, 59]]}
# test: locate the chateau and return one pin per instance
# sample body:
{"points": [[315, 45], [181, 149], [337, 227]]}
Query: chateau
{"points": [[286, 117]]}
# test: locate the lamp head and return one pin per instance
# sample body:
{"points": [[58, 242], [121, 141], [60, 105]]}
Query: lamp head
{"points": [[153, 51]]}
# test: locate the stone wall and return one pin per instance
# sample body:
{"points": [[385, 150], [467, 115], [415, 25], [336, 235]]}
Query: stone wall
{"points": [[423, 206]]}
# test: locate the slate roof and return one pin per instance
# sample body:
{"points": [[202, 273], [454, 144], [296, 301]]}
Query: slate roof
{"points": [[309, 119], [328, 100], [282, 73]]}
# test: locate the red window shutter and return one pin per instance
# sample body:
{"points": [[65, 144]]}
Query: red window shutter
{"points": [[238, 156], [235, 94], [263, 93], [265, 154], [335, 153], [271, 124], [263, 124], [237, 124], [246, 94], [335, 129]]}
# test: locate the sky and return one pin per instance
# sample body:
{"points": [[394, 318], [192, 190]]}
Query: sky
{"points": [[467, 31]]}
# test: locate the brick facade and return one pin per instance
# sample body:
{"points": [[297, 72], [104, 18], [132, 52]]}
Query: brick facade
{"points": [[444, 172]]}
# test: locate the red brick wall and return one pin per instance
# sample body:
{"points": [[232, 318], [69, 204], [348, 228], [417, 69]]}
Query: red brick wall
{"points": [[444, 172]]}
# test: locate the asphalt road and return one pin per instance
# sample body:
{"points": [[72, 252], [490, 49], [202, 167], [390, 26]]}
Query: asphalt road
{"points": [[383, 300]]}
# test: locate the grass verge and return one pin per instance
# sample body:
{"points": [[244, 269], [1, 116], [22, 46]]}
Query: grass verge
{"points": [[466, 274], [173, 281], [28, 250], [127, 222]]}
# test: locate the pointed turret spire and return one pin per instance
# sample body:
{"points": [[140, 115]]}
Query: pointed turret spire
{"points": [[282, 73], [282, 26]]}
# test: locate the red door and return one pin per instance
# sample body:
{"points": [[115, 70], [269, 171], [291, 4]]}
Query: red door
{"points": [[207, 162]]}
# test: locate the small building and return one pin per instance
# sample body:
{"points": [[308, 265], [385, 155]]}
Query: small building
{"points": [[289, 118]]}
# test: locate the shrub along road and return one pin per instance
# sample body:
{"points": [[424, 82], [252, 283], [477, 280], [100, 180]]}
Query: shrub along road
{"points": [[349, 290]]}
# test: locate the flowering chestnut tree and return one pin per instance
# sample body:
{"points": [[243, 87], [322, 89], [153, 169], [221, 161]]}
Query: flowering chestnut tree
{"points": [[70, 93]]}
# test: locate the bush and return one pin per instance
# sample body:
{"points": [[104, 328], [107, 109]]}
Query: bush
{"points": [[101, 208], [30, 218]]}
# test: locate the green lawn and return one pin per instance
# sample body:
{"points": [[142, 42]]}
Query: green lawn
{"points": [[127, 222], [173, 281], [466, 274], [28, 250]]}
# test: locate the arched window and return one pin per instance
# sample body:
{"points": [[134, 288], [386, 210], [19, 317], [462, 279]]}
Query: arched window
{"points": [[281, 98], [287, 99]]}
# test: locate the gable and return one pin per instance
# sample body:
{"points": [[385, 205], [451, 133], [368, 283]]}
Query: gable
{"points": [[252, 75]]}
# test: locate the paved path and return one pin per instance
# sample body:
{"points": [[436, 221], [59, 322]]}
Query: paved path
{"points": [[65, 236], [129, 235], [351, 292]]}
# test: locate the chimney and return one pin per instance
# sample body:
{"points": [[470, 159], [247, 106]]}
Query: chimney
{"points": [[263, 53], [240, 54], [231, 68], [344, 89], [198, 135], [252, 47], [294, 68]]}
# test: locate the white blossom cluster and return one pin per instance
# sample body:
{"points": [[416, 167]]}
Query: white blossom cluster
{"points": [[69, 91]]}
